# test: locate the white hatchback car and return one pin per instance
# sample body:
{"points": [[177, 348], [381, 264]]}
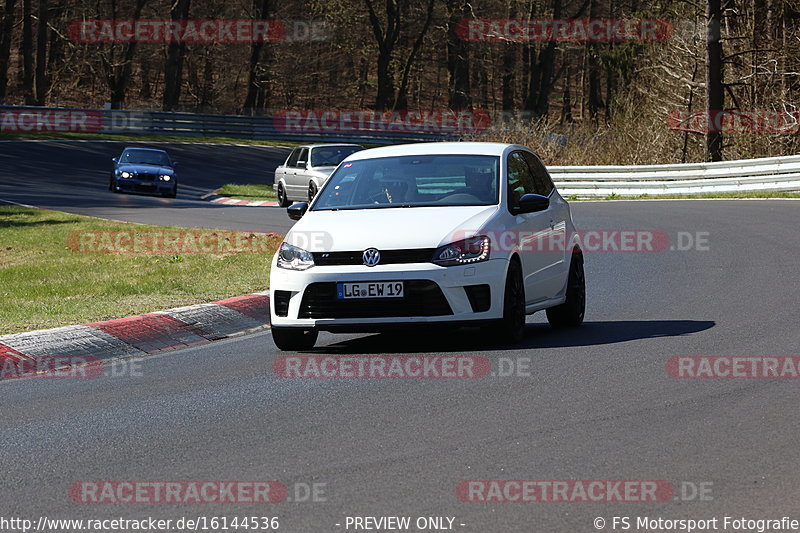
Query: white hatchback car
{"points": [[433, 233]]}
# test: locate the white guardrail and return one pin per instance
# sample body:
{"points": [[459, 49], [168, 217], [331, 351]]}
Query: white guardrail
{"points": [[766, 174]]}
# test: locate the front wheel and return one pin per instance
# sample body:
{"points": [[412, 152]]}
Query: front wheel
{"points": [[571, 312], [511, 328], [294, 339], [283, 200]]}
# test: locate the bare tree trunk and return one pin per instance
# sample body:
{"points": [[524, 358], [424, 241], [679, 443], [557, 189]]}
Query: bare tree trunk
{"points": [[257, 80], [386, 39], [173, 68], [534, 73], [458, 65], [593, 58], [547, 58], [715, 95], [119, 72], [508, 76], [27, 53], [5, 46], [42, 32], [402, 94], [566, 109]]}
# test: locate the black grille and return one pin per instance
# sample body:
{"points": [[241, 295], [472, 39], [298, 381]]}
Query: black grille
{"points": [[479, 297], [388, 257], [422, 298], [282, 302]]}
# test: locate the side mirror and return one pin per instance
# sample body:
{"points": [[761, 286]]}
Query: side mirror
{"points": [[115, 160], [532, 203], [301, 164], [297, 210], [175, 163]]}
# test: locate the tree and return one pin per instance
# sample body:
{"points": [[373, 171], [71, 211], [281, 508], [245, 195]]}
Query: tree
{"points": [[42, 34], [257, 81], [27, 53], [715, 96], [387, 31], [173, 66], [460, 94], [5, 46], [118, 67], [593, 62]]}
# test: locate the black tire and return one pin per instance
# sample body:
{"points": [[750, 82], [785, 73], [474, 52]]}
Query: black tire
{"points": [[172, 194], [312, 190], [511, 328], [283, 200], [294, 339], [112, 186], [570, 314]]}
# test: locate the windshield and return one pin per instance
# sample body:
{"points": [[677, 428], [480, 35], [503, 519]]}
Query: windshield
{"points": [[145, 157], [330, 156], [412, 181]]}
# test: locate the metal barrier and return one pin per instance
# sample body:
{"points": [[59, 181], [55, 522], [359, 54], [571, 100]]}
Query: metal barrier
{"points": [[278, 126], [766, 174]]}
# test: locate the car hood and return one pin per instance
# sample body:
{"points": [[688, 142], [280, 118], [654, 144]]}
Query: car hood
{"points": [[145, 169], [325, 171], [387, 228]]}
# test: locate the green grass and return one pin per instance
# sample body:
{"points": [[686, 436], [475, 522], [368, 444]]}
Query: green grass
{"points": [[255, 192], [45, 281], [749, 194]]}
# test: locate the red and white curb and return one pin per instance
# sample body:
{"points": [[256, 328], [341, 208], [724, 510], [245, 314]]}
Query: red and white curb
{"points": [[140, 334], [214, 198]]}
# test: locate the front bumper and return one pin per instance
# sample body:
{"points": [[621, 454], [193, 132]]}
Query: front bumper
{"points": [[433, 295], [144, 186]]}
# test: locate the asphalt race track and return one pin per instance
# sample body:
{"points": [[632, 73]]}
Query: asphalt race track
{"points": [[594, 403], [73, 176]]}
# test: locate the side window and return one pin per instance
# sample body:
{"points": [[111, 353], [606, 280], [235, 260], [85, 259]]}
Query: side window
{"points": [[303, 158], [520, 179], [544, 185], [292, 161]]}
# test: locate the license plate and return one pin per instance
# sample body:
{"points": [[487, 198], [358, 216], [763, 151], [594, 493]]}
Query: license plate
{"points": [[380, 289]]}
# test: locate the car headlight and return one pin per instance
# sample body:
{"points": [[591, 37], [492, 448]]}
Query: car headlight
{"points": [[165, 177], [472, 250], [294, 258], [125, 175]]}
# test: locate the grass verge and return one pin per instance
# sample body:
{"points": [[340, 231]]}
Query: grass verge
{"points": [[46, 281], [255, 193], [723, 195]]}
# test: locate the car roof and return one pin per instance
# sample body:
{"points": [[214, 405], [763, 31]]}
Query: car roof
{"points": [[145, 149], [328, 145], [436, 148]]}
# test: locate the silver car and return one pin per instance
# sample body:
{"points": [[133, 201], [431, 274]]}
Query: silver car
{"points": [[306, 169]]}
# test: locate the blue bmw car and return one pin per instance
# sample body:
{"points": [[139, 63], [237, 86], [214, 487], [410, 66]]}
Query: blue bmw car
{"points": [[144, 170]]}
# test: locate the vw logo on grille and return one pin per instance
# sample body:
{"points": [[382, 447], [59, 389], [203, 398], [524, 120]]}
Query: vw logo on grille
{"points": [[371, 257]]}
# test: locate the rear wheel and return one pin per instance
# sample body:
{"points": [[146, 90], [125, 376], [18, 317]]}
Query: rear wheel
{"points": [[312, 191], [511, 328], [283, 200], [571, 312], [294, 339]]}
